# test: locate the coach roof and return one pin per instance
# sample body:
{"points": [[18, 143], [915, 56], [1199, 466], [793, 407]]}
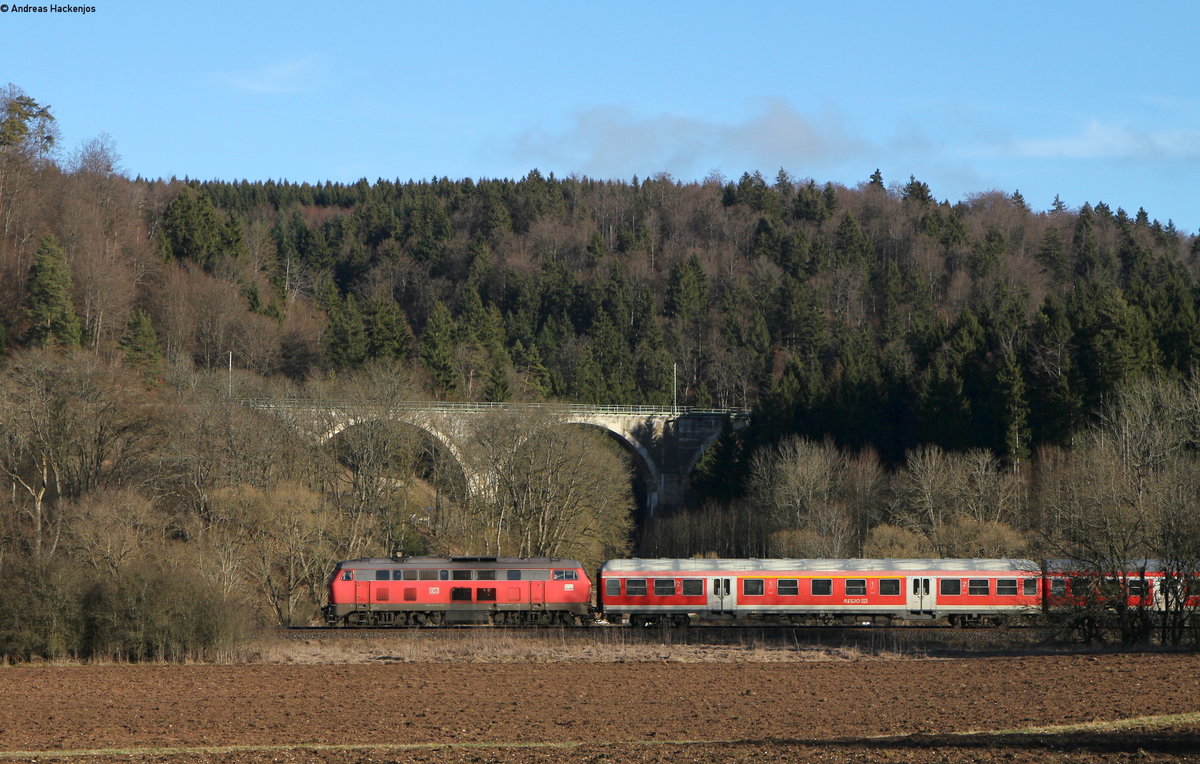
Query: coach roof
{"points": [[751, 565]]}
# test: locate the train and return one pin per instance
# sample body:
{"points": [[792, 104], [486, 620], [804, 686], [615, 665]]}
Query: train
{"points": [[515, 591]]}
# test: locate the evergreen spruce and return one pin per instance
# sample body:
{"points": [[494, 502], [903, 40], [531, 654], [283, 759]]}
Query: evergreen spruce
{"points": [[52, 318]]}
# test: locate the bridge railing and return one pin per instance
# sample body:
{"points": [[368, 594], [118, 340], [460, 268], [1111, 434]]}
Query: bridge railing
{"points": [[483, 407]]}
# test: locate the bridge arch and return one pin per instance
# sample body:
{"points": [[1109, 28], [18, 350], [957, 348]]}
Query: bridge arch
{"points": [[666, 444]]}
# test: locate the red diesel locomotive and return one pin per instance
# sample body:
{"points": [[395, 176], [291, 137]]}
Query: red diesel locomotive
{"points": [[420, 591]]}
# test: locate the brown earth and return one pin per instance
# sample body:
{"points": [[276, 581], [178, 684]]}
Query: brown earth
{"points": [[904, 710]]}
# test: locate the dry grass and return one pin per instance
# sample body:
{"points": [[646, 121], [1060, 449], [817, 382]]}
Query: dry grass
{"points": [[625, 645]]}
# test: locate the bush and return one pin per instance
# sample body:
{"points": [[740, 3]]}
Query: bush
{"points": [[146, 613]]}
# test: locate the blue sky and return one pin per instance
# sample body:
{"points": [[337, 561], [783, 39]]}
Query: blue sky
{"points": [[1095, 101]]}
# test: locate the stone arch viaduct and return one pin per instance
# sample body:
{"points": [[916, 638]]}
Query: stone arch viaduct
{"points": [[665, 443]]}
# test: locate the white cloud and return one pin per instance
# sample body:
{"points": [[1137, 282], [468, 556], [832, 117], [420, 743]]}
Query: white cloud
{"points": [[1103, 141], [292, 76], [612, 141]]}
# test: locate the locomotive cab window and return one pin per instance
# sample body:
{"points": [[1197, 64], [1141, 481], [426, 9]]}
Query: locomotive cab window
{"points": [[788, 587], [889, 587], [1006, 587], [856, 587], [950, 587], [566, 575], [347, 575], [822, 587], [612, 587], [635, 587], [664, 587], [979, 586], [693, 587], [752, 587]]}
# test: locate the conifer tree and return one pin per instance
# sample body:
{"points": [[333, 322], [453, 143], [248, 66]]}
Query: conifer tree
{"points": [[387, 330], [346, 335], [52, 317], [139, 344], [437, 349]]}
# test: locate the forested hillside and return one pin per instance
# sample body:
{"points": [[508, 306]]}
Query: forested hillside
{"points": [[876, 315], [889, 325]]}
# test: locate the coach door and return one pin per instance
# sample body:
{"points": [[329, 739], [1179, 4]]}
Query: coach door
{"points": [[920, 595], [721, 595]]}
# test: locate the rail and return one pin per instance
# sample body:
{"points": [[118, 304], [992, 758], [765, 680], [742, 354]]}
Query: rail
{"points": [[485, 407]]}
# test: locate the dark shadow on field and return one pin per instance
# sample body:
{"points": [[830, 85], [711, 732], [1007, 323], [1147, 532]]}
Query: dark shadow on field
{"points": [[1169, 741]]}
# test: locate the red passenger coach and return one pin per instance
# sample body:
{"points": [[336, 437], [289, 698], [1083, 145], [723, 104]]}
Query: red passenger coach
{"points": [[421, 591], [675, 592]]}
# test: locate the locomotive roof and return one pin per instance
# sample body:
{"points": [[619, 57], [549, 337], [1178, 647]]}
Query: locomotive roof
{"points": [[461, 562], [743, 565]]}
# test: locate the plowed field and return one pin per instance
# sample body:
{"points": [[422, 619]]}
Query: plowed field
{"points": [[1120, 707]]}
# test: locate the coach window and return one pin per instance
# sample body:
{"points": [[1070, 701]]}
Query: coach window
{"points": [[461, 575], [788, 587], [1029, 586], [822, 587], [428, 574], [612, 587], [856, 587], [950, 587], [460, 594], [889, 587], [485, 575], [566, 575], [979, 586], [635, 587], [485, 594], [693, 587], [1058, 587], [383, 575], [664, 587], [1137, 587], [752, 587], [1006, 587]]}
